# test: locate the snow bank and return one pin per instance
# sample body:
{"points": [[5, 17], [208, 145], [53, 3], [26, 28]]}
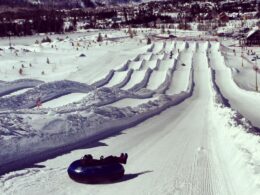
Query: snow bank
{"points": [[219, 98], [238, 98], [135, 65], [125, 80], [10, 87], [152, 64], [64, 100], [156, 79], [131, 102], [234, 140], [125, 66], [105, 80], [143, 82], [118, 77], [46, 92], [45, 135], [165, 85]]}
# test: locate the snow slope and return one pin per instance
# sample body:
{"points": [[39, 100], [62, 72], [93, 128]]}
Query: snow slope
{"points": [[156, 79], [136, 78], [239, 99], [191, 166], [66, 99], [182, 72], [176, 140], [117, 78]]}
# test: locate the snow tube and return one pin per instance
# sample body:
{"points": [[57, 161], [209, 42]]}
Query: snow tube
{"points": [[95, 173]]}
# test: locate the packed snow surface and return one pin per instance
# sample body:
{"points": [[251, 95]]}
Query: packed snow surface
{"points": [[131, 102], [61, 101], [178, 108], [136, 78]]}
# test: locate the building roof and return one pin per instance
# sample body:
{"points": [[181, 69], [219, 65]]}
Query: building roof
{"points": [[251, 32]]}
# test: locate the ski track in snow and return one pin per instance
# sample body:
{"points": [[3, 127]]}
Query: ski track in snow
{"points": [[172, 153]]}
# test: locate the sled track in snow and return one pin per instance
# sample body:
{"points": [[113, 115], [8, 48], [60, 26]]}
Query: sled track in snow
{"points": [[150, 70], [180, 156], [188, 168]]}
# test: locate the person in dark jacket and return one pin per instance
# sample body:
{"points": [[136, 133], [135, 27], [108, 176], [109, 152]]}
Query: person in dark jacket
{"points": [[88, 160], [114, 159]]}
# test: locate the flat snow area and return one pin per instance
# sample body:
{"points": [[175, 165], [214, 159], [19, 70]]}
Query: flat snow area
{"points": [[64, 100]]}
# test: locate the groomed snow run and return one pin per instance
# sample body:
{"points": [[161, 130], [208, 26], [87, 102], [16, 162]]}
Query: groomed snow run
{"points": [[184, 141], [117, 78], [156, 79], [136, 77]]}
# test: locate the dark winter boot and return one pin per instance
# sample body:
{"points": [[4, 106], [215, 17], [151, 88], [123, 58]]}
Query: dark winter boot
{"points": [[125, 158]]}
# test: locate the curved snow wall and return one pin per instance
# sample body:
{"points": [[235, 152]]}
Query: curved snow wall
{"points": [[220, 99], [167, 82], [126, 79], [46, 92], [144, 82], [10, 87], [105, 80], [42, 147], [219, 96], [125, 66]]}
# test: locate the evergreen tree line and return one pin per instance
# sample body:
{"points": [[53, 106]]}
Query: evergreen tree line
{"points": [[41, 24]]}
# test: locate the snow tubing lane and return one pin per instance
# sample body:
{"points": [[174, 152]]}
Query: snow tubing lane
{"points": [[96, 173]]}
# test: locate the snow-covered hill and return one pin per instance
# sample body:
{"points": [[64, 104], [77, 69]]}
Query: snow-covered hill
{"points": [[191, 138], [185, 107]]}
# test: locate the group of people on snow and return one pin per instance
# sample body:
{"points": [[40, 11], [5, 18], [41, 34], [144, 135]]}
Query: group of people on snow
{"points": [[90, 161]]}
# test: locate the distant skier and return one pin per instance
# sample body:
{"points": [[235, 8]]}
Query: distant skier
{"points": [[171, 54], [21, 71], [38, 102]]}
